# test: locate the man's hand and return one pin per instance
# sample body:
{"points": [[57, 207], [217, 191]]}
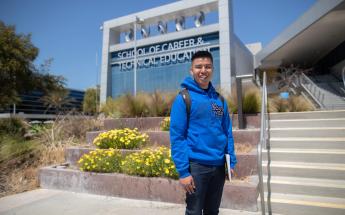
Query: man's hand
{"points": [[188, 184], [232, 172]]}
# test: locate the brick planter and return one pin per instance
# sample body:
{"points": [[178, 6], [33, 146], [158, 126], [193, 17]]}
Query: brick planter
{"points": [[142, 123], [249, 120], [153, 123], [246, 164], [241, 195]]}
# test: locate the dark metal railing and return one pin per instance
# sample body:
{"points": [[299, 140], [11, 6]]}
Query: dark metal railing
{"points": [[313, 90]]}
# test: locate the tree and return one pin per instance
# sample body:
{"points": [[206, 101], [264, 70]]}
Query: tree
{"points": [[18, 73], [57, 99], [91, 98]]}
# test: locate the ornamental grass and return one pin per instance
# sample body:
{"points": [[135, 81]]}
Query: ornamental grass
{"points": [[121, 139], [165, 124], [292, 104], [150, 163], [101, 160]]}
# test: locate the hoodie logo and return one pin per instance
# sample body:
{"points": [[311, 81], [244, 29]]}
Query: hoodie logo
{"points": [[217, 110]]}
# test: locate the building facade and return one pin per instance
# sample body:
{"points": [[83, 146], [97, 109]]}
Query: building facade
{"points": [[163, 60], [31, 103]]}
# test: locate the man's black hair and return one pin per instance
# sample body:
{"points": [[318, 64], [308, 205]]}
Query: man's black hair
{"points": [[202, 54]]}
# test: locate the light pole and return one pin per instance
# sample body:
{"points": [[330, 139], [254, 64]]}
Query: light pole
{"points": [[137, 21]]}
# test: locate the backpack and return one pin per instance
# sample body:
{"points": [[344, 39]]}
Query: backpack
{"points": [[186, 97]]}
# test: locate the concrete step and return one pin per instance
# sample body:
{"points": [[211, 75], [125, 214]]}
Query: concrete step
{"points": [[303, 123], [308, 170], [308, 132], [306, 155], [308, 143], [305, 204], [306, 186], [309, 115]]}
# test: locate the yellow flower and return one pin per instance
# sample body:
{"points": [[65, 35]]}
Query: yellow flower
{"points": [[166, 161], [167, 171]]}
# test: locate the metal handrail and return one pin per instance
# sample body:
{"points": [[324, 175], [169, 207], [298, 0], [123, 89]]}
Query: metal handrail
{"points": [[313, 90], [263, 141]]}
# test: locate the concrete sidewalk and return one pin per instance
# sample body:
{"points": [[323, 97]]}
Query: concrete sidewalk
{"points": [[51, 202]]}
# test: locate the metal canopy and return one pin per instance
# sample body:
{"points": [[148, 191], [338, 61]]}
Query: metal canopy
{"points": [[307, 40]]}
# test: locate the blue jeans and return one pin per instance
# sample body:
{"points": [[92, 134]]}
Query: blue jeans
{"points": [[209, 183]]}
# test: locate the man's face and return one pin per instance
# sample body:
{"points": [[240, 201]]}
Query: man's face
{"points": [[202, 70]]}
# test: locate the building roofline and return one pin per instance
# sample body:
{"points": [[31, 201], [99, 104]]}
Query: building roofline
{"points": [[315, 13]]}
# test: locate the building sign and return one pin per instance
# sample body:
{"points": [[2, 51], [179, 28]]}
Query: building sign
{"points": [[162, 54]]}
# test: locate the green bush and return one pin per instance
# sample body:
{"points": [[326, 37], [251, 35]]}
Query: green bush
{"points": [[111, 108], [101, 160], [150, 163], [298, 104], [165, 124], [38, 128], [277, 104], [142, 105], [160, 103], [121, 139], [90, 102], [293, 104], [12, 126], [251, 101], [13, 147], [134, 106]]}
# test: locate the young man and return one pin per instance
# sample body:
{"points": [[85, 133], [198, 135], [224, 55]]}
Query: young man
{"points": [[200, 139]]}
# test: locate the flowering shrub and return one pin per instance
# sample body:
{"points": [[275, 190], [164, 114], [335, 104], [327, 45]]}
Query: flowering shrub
{"points": [[165, 124], [101, 160], [120, 139], [150, 163]]}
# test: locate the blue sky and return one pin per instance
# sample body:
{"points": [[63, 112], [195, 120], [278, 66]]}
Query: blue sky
{"points": [[68, 30]]}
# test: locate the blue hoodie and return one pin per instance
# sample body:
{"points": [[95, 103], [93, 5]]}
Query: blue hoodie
{"points": [[207, 137]]}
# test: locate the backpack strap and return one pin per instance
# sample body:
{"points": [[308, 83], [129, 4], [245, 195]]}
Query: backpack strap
{"points": [[221, 98], [186, 98]]}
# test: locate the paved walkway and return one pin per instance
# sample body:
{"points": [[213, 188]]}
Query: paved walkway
{"points": [[56, 202]]}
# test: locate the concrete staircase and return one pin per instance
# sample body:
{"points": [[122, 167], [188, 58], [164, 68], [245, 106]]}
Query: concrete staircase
{"points": [[328, 90], [306, 172]]}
